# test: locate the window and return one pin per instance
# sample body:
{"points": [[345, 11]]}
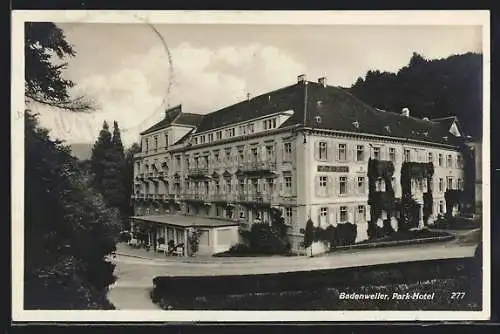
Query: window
{"points": [[228, 155], [242, 130], [255, 153], [322, 150], [380, 184], [323, 216], [228, 186], [440, 160], [361, 210], [407, 155], [241, 185], [216, 157], [376, 153], [343, 213], [288, 215], [441, 207], [323, 181], [342, 152], [430, 157], [441, 184], [448, 161], [460, 162], [210, 137], [147, 144], [342, 185], [178, 162], [460, 184], [166, 139], [218, 135], [449, 183], [361, 184], [241, 155], [270, 185], [202, 139], [287, 151], [195, 162], [288, 183], [274, 123], [270, 152], [217, 211], [230, 133], [360, 153], [392, 154], [196, 140]]}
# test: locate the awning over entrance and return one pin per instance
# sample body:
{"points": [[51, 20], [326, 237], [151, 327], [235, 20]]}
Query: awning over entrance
{"points": [[185, 221]]}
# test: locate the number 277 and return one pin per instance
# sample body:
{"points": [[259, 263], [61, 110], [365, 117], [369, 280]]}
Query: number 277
{"points": [[457, 295]]}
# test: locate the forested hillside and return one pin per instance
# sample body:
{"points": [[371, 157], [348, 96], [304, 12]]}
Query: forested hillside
{"points": [[430, 88]]}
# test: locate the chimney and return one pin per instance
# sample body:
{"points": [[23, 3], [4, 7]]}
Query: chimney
{"points": [[301, 78], [405, 112], [322, 81], [425, 118], [248, 96]]}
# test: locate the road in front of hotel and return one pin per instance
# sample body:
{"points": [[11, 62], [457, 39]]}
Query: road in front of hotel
{"points": [[135, 274]]}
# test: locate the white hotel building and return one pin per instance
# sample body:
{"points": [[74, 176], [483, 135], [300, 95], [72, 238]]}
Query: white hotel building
{"points": [[302, 149]]}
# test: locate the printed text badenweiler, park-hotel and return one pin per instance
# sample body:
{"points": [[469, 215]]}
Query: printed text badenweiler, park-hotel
{"points": [[384, 296]]}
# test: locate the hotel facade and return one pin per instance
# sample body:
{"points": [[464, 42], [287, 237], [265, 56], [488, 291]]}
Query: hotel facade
{"points": [[302, 149]]}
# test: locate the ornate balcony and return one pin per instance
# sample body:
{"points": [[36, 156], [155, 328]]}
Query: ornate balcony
{"points": [[198, 173], [257, 167]]}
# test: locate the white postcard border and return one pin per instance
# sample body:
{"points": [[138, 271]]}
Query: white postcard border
{"points": [[459, 18]]}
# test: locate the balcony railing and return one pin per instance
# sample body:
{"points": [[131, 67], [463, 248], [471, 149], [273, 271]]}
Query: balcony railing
{"points": [[257, 166], [198, 171]]}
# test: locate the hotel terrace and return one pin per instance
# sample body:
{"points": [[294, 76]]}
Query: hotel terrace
{"points": [[302, 149]]}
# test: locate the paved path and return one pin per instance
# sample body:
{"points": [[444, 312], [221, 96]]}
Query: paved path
{"points": [[135, 275]]}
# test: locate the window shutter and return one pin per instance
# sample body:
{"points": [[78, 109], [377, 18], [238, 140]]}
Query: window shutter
{"points": [[329, 186], [334, 152], [353, 185], [316, 186], [316, 150]]}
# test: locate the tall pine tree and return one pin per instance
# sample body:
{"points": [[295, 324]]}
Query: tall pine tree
{"points": [[108, 167], [99, 152]]}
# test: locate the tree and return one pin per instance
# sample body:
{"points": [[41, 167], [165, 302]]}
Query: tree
{"points": [[194, 239], [430, 88], [108, 167], [99, 151], [309, 234], [68, 229]]}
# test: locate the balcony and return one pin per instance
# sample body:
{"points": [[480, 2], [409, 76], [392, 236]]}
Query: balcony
{"points": [[257, 167], [261, 199], [196, 197], [198, 173]]}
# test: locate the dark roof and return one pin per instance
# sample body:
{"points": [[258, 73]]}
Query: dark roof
{"points": [[337, 108], [186, 221], [340, 110], [275, 101], [175, 116]]}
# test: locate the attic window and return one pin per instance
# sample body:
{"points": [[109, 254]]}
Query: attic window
{"points": [[426, 134], [356, 124], [387, 128], [318, 119], [445, 138], [319, 103]]}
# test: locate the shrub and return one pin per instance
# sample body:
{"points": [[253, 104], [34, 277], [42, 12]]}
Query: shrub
{"points": [[194, 240], [388, 230]]}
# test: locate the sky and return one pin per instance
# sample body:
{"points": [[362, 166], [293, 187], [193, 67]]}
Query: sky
{"points": [[133, 73]]}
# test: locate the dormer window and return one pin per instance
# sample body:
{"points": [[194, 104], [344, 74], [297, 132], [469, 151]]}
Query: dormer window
{"points": [[317, 119], [387, 128], [355, 124]]}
